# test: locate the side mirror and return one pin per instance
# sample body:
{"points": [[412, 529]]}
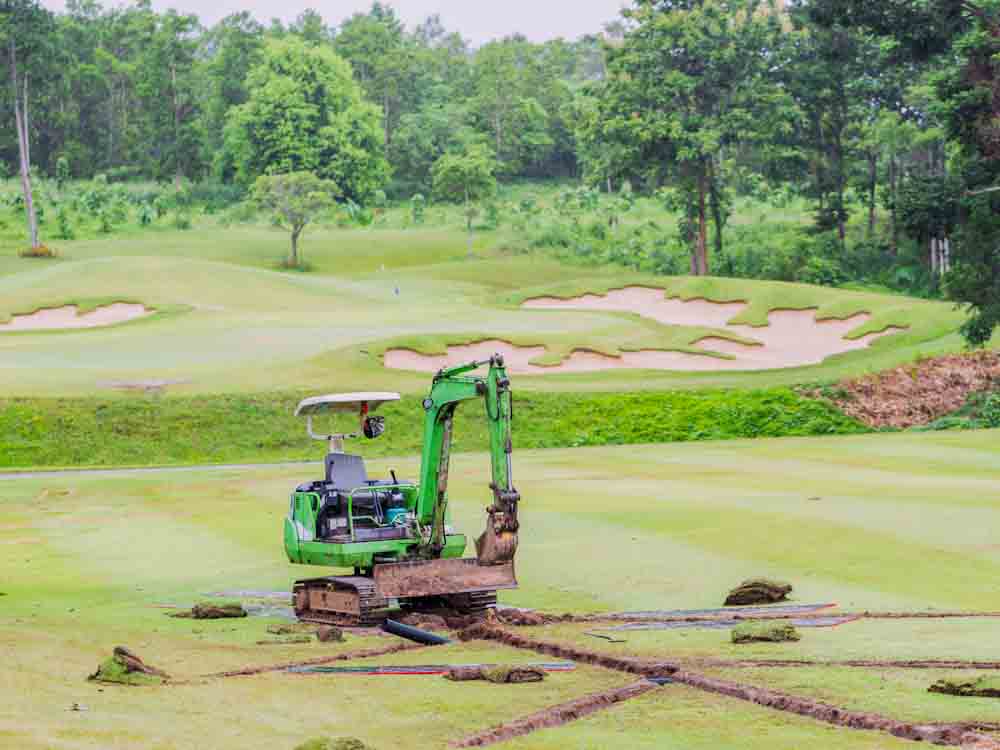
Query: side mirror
{"points": [[372, 427]]}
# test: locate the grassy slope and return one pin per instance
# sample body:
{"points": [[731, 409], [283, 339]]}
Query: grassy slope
{"points": [[902, 521], [229, 322], [260, 427]]}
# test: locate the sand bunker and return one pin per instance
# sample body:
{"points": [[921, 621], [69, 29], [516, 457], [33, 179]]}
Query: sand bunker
{"points": [[55, 318], [792, 338]]}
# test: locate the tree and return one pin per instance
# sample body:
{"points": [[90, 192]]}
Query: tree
{"points": [[233, 47], [294, 200], [305, 112], [505, 104], [962, 37], [690, 80], [23, 26], [466, 176], [167, 82]]}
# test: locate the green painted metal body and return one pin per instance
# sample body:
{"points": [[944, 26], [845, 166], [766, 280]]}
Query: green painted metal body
{"points": [[433, 536]]}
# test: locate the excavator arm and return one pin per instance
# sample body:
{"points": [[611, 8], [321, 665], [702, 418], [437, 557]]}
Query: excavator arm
{"points": [[451, 386]]}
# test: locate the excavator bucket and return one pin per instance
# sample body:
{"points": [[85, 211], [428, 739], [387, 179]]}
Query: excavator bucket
{"points": [[442, 577], [496, 547]]}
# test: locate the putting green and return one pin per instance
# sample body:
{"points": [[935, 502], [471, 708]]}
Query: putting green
{"points": [[227, 321], [881, 521]]}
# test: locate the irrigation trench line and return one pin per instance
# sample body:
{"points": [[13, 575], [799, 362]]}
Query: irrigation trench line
{"points": [[959, 734]]}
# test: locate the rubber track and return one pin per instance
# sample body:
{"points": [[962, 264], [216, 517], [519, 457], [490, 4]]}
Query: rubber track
{"points": [[941, 734], [373, 608], [556, 715]]}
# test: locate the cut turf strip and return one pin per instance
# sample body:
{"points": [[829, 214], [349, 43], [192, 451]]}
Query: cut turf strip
{"points": [[940, 734], [347, 656], [557, 715]]}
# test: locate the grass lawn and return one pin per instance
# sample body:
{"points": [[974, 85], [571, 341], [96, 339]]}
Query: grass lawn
{"points": [[876, 521], [228, 321]]}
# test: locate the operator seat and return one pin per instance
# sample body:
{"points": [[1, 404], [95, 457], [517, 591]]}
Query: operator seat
{"points": [[345, 471]]}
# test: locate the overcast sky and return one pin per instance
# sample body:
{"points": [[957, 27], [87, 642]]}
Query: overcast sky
{"points": [[477, 20]]}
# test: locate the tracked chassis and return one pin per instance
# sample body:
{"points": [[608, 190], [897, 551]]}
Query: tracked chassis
{"points": [[354, 601]]}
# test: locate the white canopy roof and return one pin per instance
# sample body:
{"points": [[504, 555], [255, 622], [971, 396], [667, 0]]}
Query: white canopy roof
{"points": [[343, 402]]}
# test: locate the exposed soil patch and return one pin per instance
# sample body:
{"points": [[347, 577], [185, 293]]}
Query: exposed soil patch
{"points": [[68, 316], [556, 715], [918, 393]]}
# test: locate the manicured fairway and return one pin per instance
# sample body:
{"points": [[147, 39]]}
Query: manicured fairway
{"points": [[228, 321], [879, 522]]}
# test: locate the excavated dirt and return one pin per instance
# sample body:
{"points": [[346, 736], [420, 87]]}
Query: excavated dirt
{"points": [[939, 734], [963, 735], [632, 665], [212, 611], [348, 656], [918, 393], [68, 317], [556, 715]]}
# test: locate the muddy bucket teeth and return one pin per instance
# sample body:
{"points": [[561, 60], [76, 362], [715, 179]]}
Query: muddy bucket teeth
{"points": [[494, 548], [440, 577]]}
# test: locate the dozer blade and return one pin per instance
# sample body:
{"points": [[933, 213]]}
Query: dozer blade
{"points": [[440, 577]]}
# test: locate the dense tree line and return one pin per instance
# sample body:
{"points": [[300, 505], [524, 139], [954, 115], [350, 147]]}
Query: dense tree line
{"points": [[867, 109]]}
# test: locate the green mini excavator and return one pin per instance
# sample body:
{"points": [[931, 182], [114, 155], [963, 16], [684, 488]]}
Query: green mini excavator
{"points": [[395, 534]]}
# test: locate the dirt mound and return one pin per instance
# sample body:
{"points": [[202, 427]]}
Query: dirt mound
{"points": [[758, 591], [765, 632], [428, 621], [126, 668], [979, 687], [213, 611], [329, 634], [918, 393]]}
